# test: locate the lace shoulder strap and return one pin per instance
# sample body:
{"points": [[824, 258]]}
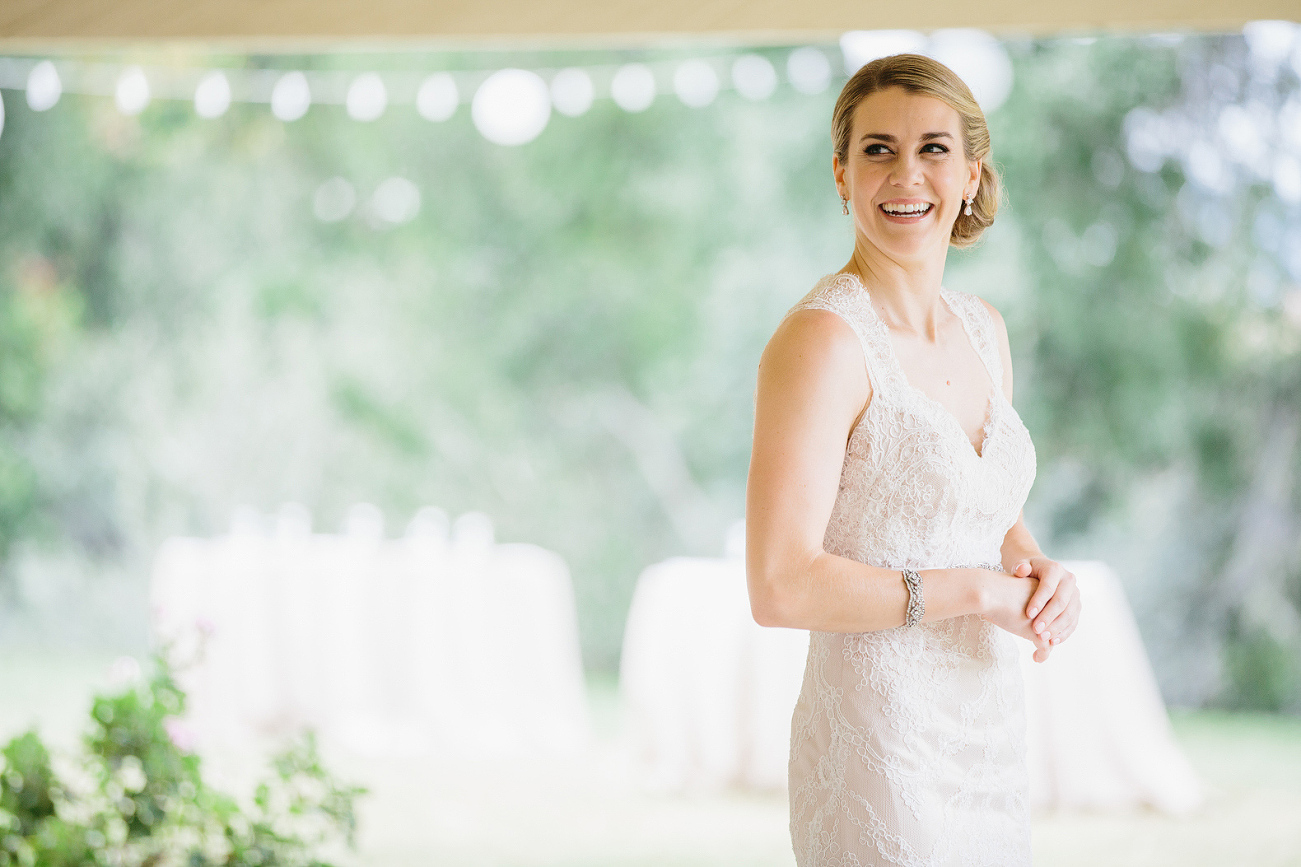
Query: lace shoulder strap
{"points": [[844, 295], [980, 325]]}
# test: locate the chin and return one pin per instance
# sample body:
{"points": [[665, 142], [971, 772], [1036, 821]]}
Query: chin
{"points": [[919, 248]]}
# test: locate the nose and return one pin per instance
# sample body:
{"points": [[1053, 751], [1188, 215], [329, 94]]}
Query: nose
{"points": [[906, 171]]}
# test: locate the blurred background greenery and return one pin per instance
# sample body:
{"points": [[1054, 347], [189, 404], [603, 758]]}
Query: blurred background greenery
{"points": [[565, 334]]}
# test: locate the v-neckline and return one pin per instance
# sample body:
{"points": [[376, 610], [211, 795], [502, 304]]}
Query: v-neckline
{"points": [[986, 429]]}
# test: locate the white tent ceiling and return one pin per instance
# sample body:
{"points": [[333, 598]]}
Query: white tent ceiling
{"points": [[261, 22]]}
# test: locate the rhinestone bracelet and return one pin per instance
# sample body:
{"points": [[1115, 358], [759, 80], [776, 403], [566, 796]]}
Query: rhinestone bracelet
{"points": [[916, 604]]}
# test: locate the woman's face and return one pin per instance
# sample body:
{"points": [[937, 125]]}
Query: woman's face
{"points": [[906, 173]]}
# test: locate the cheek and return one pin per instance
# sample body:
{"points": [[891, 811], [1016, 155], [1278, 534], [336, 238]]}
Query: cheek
{"points": [[868, 177], [953, 185], [953, 175]]}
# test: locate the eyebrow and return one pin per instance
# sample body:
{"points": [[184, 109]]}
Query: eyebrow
{"points": [[885, 137]]}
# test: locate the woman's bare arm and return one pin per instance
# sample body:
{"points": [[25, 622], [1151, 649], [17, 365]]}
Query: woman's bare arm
{"points": [[813, 388]]}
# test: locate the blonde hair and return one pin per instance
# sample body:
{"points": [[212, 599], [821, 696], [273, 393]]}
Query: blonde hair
{"points": [[919, 74]]}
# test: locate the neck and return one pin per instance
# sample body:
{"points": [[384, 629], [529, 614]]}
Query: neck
{"points": [[906, 294]]}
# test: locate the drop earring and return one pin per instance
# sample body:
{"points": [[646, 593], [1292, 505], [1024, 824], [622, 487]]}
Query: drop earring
{"points": [[967, 209], [844, 206]]}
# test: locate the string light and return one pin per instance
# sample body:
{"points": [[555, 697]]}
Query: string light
{"points": [[633, 87], [861, 47], [212, 96], [291, 97], [511, 107], [43, 87], [438, 97], [572, 92], [696, 83], [334, 200], [753, 77], [132, 91], [809, 70], [395, 201], [367, 97], [979, 59], [517, 106]]}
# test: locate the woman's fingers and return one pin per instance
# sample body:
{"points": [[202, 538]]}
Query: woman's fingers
{"points": [[1054, 606], [1062, 596], [1042, 647], [1048, 580], [1065, 623]]}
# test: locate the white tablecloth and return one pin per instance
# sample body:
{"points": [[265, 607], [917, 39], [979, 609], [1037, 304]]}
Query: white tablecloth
{"points": [[1098, 733], [708, 693], [392, 646]]}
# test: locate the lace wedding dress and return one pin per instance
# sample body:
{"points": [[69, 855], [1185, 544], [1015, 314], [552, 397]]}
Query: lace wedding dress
{"points": [[907, 744]]}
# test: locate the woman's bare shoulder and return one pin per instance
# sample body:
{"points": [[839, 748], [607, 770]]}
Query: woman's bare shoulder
{"points": [[814, 332], [993, 314], [816, 352]]}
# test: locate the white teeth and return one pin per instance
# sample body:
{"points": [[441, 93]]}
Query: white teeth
{"points": [[918, 208]]}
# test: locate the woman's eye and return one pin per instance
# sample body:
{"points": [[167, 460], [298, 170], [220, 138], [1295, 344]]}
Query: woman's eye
{"points": [[876, 150], [937, 149]]}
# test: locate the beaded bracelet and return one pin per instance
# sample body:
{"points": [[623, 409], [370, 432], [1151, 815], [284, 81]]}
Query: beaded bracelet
{"points": [[916, 604]]}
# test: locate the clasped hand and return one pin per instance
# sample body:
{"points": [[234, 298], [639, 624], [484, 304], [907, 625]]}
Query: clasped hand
{"points": [[1042, 604]]}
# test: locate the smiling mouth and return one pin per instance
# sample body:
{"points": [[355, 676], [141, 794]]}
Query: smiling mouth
{"points": [[906, 212]]}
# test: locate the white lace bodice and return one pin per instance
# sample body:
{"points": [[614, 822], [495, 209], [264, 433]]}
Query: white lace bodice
{"points": [[907, 745], [914, 493]]}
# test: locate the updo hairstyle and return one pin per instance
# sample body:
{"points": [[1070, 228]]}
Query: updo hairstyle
{"points": [[922, 75]]}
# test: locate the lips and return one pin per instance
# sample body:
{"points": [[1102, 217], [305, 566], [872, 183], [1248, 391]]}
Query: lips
{"points": [[906, 211]]}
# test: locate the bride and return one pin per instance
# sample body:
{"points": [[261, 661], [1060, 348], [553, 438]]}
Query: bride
{"points": [[887, 479]]}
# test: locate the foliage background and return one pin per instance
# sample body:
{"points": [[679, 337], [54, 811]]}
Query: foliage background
{"points": [[565, 337]]}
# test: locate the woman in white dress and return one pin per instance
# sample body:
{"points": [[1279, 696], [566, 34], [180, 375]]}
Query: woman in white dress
{"points": [[883, 511]]}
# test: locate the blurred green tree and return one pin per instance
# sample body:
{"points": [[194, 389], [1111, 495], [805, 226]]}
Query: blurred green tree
{"points": [[565, 336]]}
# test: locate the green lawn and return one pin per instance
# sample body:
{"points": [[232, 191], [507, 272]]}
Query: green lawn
{"points": [[1252, 765], [590, 812]]}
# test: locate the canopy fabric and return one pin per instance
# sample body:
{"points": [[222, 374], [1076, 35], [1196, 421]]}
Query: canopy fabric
{"points": [[255, 21]]}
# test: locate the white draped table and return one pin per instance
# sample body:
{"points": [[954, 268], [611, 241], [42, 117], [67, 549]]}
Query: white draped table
{"points": [[397, 646], [1097, 729]]}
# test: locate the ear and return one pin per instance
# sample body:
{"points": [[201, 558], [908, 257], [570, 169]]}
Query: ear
{"points": [[838, 172], [974, 183]]}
